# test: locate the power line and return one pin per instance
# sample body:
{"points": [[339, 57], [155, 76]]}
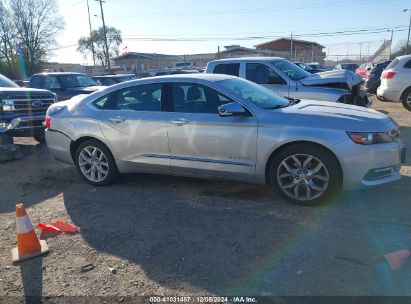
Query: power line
{"points": [[253, 10]]}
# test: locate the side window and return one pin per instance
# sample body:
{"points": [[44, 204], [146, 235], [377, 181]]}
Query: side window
{"points": [[262, 74], [232, 69], [196, 98], [36, 82], [51, 82], [407, 65], [145, 97], [106, 102]]}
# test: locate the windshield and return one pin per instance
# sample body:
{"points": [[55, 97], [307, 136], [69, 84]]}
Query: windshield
{"points": [[74, 81], [255, 93], [290, 69], [7, 83]]}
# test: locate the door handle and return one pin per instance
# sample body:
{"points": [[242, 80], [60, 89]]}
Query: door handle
{"points": [[117, 120], [179, 122]]}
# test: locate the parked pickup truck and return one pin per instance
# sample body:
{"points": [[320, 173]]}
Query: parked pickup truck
{"points": [[286, 78], [23, 110], [65, 84]]}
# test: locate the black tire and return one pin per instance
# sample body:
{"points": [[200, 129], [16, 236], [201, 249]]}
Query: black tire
{"points": [[405, 96], [112, 170], [332, 170]]}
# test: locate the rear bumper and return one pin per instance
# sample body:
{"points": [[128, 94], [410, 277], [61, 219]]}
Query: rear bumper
{"points": [[388, 95], [24, 126], [58, 145]]}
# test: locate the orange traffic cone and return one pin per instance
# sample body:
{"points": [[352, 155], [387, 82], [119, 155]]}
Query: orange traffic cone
{"points": [[28, 245]]}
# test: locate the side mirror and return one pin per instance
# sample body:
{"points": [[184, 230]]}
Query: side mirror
{"points": [[231, 109]]}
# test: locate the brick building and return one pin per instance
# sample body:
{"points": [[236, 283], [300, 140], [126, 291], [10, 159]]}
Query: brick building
{"points": [[298, 50]]}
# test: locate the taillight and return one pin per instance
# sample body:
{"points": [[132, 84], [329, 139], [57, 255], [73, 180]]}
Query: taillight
{"points": [[47, 122], [387, 75]]}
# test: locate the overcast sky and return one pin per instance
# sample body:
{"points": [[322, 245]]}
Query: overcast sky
{"points": [[214, 23]]}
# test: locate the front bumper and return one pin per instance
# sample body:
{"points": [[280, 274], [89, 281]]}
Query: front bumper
{"points": [[23, 126], [370, 165]]}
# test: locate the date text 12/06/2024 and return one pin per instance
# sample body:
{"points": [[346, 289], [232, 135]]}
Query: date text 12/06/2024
{"points": [[199, 299]]}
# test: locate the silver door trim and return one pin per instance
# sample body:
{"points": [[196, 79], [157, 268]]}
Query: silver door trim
{"points": [[204, 160]]}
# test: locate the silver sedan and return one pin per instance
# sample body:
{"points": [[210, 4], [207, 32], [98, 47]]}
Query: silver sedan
{"points": [[219, 126]]}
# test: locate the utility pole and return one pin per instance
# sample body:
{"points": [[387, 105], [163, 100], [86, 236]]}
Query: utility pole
{"points": [[291, 48], [392, 35], [105, 34], [91, 37], [409, 28], [360, 51]]}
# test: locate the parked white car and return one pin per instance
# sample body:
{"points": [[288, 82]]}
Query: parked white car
{"points": [[396, 82], [286, 78]]}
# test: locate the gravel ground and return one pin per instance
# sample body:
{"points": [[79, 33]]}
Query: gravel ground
{"points": [[178, 236]]}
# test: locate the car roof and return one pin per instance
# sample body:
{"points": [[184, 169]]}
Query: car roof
{"points": [[241, 59], [177, 77], [59, 73]]}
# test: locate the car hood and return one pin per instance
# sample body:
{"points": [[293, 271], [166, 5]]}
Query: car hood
{"points": [[328, 77], [338, 116], [5, 92]]}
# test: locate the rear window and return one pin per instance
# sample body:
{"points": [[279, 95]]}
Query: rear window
{"points": [[407, 65], [393, 64], [232, 69]]}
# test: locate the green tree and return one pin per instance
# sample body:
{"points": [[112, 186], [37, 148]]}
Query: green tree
{"points": [[97, 39]]}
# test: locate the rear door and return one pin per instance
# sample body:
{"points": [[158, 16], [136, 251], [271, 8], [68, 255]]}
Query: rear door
{"points": [[203, 142], [134, 123]]}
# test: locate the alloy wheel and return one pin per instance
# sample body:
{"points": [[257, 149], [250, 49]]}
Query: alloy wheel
{"points": [[303, 177], [93, 164]]}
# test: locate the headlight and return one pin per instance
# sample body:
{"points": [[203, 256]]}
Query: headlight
{"points": [[371, 138], [8, 105]]}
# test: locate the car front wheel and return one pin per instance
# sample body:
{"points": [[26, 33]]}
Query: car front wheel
{"points": [[305, 174], [95, 163]]}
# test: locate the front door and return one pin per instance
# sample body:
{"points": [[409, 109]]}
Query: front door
{"points": [[204, 143], [134, 124], [267, 77]]}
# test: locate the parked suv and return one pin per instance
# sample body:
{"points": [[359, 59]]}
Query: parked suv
{"points": [[396, 82], [374, 77], [284, 77], [22, 110], [66, 85]]}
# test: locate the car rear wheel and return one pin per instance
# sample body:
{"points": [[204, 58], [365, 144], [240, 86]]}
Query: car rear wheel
{"points": [[406, 99], [95, 163], [305, 174]]}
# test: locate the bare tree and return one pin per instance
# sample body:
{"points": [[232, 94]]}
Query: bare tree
{"points": [[97, 38], [7, 34], [400, 49], [38, 25]]}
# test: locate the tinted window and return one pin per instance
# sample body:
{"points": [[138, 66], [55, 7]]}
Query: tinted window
{"points": [[140, 98], [262, 74], [195, 98], [107, 102], [407, 65], [393, 64], [106, 81], [36, 82], [255, 93], [73, 81], [291, 70], [51, 82], [228, 69]]}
